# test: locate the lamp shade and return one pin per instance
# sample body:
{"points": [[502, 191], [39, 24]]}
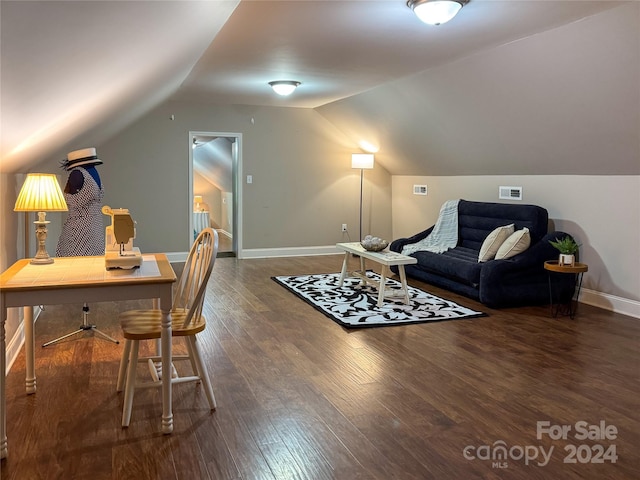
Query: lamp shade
{"points": [[435, 12], [197, 199], [40, 192], [362, 160]]}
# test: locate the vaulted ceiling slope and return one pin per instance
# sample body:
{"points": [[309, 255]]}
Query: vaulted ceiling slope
{"points": [[562, 102], [86, 69], [78, 72], [339, 48]]}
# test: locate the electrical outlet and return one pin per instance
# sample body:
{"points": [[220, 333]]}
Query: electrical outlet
{"points": [[344, 227]]}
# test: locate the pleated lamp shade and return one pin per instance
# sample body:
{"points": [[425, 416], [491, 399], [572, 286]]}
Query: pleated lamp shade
{"points": [[40, 193]]}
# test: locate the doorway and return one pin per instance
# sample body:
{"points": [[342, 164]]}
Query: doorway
{"points": [[215, 190]]}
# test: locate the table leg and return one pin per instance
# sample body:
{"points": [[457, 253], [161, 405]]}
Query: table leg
{"points": [[29, 350], [572, 309], [550, 295], [403, 281], [343, 272], [167, 415], [3, 399], [158, 341], [382, 286], [363, 271]]}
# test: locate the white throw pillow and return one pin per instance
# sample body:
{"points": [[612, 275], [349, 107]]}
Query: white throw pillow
{"points": [[493, 242], [517, 243]]}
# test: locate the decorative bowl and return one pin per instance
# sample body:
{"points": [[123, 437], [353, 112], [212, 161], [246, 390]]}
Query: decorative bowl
{"points": [[373, 244]]}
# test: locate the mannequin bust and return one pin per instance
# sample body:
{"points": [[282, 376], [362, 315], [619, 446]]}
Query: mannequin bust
{"points": [[83, 231]]}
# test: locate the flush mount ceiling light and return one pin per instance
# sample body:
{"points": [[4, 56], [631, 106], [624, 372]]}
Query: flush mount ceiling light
{"points": [[436, 12], [284, 87]]}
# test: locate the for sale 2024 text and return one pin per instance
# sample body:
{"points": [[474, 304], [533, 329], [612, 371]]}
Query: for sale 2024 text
{"points": [[582, 430]]}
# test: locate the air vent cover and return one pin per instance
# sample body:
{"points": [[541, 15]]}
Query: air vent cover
{"points": [[510, 193], [419, 189]]}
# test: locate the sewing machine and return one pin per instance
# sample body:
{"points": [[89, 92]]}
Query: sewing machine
{"points": [[119, 250]]}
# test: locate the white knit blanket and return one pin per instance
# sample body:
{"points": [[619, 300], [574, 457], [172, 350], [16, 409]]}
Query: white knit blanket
{"points": [[444, 234]]}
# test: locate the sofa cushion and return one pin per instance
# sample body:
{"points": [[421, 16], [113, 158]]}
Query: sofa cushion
{"points": [[493, 242], [476, 220], [517, 243], [460, 264]]}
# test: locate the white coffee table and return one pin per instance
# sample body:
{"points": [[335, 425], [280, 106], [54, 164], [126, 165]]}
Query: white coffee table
{"points": [[386, 259]]}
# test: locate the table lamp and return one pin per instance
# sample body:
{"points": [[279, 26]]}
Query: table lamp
{"points": [[41, 193], [197, 199]]}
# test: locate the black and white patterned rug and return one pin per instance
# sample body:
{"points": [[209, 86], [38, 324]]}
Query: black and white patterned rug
{"points": [[354, 306]]}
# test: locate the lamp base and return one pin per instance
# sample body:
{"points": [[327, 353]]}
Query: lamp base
{"points": [[42, 257], [41, 261]]}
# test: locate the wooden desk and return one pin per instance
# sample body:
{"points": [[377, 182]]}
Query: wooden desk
{"points": [[386, 259], [78, 280]]}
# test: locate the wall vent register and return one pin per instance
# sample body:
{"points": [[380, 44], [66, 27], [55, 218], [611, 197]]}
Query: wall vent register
{"points": [[419, 189], [510, 193]]}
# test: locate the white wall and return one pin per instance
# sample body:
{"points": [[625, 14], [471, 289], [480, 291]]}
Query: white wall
{"points": [[303, 186], [601, 212], [12, 236]]}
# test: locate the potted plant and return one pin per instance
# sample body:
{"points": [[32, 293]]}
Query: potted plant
{"points": [[568, 248]]}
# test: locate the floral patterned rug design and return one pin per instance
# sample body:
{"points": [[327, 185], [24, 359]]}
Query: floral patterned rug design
{"points": [[354, 305]]}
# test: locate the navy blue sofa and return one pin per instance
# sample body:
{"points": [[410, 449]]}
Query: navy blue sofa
{"points": [[517, 281]]}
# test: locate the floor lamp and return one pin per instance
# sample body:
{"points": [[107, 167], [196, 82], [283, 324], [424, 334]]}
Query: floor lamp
{"points": [[362, 161]]}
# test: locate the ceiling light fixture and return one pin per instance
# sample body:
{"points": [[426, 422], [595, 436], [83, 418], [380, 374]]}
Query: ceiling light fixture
{"points": [[284, 87], [436, 12]]}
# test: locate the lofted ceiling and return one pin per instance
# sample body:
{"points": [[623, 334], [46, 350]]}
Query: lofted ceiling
{"points": [[81, 71], [341, 48], [77, 72]]}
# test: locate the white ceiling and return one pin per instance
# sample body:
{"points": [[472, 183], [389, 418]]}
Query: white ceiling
{"points": [[81, 71], [340, 48], [75, 72]]}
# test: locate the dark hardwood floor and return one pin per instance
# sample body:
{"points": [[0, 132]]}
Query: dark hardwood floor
{"points": [[299, 397]]}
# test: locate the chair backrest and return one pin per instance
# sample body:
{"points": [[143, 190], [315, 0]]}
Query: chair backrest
{"points": [[191, 287]]}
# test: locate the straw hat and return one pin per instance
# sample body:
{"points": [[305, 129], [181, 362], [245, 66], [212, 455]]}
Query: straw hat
{"points": [[84, 157]]}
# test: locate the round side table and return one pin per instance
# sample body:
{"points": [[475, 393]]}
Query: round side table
{"points": [[577, 269]]}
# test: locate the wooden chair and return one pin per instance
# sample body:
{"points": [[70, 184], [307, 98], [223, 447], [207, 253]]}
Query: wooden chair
{"points": [[186, 321]]}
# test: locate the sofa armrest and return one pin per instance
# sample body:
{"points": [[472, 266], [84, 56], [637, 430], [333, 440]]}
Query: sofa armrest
{"points": [[501, 281], [398, 245]]}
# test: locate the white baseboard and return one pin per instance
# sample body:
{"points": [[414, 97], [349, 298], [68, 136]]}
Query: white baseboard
{"points": [[17, 341], [224, 232], [612, 303], [176, 257]]}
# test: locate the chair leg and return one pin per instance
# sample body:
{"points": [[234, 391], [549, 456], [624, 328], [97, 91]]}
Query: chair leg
{"points": [[124, 364], [131, 384], [202, 372], [192, 357]]}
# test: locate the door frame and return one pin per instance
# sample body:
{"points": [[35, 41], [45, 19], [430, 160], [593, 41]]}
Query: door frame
{"points": [[236, 176]]}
